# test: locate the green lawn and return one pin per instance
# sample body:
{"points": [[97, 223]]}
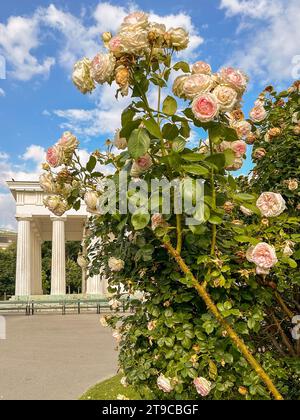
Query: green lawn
{"points": [[109, 390]]}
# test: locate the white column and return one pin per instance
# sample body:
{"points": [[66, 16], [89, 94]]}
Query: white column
{"points": [[39, 267], [36, 263], [23, 269], [58, 270], [93, 286], [97, 285]]}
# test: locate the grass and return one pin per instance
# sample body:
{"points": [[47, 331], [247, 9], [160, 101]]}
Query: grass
{"points": [[110, 389]]}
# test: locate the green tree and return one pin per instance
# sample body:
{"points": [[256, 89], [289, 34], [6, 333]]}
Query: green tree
{"points": [[7, 270]]}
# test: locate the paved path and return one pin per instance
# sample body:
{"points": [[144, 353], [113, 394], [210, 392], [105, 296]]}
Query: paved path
{"points": [[54, 356]]}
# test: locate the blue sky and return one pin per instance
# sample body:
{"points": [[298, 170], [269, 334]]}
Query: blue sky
{"points": [[40, 41]]}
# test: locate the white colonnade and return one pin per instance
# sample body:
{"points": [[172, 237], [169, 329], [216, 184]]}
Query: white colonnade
{"points": [[37, 224]]}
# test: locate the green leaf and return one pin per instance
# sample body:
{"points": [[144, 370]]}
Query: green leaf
{"points": [[170, 131], [195, 169], [213, 370], [169, 105], [90, 166], [139, 143], [182, 65], [229, 157], [153, 128], [244, 197], [140, 220], [127, 116], [178, 144], [193, 157], [217, 159]]}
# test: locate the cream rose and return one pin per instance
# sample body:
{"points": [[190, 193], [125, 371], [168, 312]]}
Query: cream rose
{"points": [[116, 264], [258, 113], [120, 142], [55, 156], [271, 204], [178, 85], [243, 128], [164, 384], [82, 76], [129, 42], [177, 38], [56, 204], [203, 386], [292, 184], [47, 183], [102, 67], [263, 256], [200, 67], [226, 97], [68, 142], [205, 107], [156, 33], [234, 78], [196, 84], [134, 22], [91, 200]]}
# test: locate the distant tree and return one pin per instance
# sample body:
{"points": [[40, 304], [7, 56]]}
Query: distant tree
{"points": [[7, 270]]}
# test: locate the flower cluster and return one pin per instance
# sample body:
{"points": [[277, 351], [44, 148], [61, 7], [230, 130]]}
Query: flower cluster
{"points": [[136, 38], [211, 93]]}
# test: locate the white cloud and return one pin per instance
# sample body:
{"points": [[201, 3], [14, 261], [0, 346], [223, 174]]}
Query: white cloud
{"points": [[35, 153], [18, 37], [2, 92], [268, 53], [257, 9], [29, 170]]}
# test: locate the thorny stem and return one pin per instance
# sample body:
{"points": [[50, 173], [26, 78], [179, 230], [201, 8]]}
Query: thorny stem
{"points": [[214, 204], [232, 334]]}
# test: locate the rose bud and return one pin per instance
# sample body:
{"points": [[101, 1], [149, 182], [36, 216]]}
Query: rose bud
{"points": [[228, 207], [259, 153]]}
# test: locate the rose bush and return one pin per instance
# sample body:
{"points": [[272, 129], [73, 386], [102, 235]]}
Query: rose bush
{"points": [[198, 300]]}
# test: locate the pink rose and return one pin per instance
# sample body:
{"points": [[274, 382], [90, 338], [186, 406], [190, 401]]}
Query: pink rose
{"points": [[140, 165], [258, 113], [201, 68], [203, 386], [239, 147], [263, 256], [55, 156], [205, 107], [234, 78], [236, 165], [271, 204]]}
